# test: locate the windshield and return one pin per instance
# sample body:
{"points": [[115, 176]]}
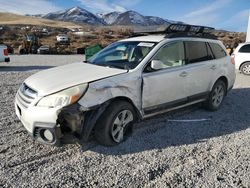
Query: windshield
{"points": [[123, 55]]}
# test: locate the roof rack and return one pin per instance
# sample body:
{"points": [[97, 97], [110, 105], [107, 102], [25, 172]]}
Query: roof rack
{"points": [[178, 30]]}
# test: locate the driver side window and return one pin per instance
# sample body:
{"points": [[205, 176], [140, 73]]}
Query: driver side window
{"points": [[171, 55]]}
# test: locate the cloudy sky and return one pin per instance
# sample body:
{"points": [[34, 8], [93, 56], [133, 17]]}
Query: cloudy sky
{"points": [[222, 14]]}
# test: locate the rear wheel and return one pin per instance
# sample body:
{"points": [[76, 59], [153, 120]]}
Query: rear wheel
{"points": [[115, 123], [216, 96], [245, 68]]}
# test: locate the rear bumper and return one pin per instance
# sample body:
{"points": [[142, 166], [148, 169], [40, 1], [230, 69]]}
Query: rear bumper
{"points": [[7, 59]]}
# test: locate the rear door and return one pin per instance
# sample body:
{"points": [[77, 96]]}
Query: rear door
{"points": [[200, 67]]}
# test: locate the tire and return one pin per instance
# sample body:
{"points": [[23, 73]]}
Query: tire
{"points": [[245, 68], [216, 96], [112, 128]]}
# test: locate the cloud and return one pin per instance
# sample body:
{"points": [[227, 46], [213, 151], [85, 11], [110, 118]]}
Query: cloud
{"points": [[206, 15], [237, 22], [28, 6], [109, 5], [127, 3], [102, 6]]}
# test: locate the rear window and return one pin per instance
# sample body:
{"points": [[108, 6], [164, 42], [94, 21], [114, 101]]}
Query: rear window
{"points": [[245, 49], [217, 50], [197, 51]]}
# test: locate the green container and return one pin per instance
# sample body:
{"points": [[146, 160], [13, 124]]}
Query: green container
{"points": [[92, 50]]}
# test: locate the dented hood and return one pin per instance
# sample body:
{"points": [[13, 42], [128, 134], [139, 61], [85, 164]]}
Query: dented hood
{"points": [[62, 77]]}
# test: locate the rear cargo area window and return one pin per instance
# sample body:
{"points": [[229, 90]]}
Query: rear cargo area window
{"points": [[245, 49], [197, 51], [217, 50]]}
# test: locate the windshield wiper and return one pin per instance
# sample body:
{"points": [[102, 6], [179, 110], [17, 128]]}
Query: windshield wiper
{"points": [[111, 65], [114, 66], [108, 65]]}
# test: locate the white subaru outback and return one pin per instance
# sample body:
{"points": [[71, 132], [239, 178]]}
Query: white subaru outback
{"points": [[126, 82]]}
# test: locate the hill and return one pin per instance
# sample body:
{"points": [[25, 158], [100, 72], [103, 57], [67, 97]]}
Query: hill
{"points": [[14, 19]]}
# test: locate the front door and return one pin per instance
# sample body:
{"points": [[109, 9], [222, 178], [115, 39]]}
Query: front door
{"points": [[165, 87]]}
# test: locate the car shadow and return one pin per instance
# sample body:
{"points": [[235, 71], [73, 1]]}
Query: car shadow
{"points": [[163, 131], [23, 68]]}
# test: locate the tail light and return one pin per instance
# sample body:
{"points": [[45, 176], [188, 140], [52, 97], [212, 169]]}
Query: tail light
{"points": [[5, 52], [233, 59]]}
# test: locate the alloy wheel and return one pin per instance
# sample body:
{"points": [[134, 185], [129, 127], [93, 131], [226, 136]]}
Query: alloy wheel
{"points": [[119, 126], [246, 69], [218, 95]]}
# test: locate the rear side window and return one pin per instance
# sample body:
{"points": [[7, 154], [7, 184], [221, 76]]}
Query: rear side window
{"points": [[218, 51], [245, 49], [197, 51]]}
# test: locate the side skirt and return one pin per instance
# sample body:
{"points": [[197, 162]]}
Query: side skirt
{"points": [[163, 108]]}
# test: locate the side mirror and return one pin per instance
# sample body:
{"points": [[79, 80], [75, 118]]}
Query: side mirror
{"points": [[157, 65]]}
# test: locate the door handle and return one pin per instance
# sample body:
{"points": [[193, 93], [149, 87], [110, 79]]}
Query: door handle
{"points": [[213, 67], [183, 74]]}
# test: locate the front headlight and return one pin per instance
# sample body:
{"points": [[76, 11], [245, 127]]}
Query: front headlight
{"points": [[63, 98]]}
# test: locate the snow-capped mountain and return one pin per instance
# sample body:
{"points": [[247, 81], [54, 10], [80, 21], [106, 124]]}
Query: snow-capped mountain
{"points": [[80, 15], [134, 18], [111, 17], [75, 14]]}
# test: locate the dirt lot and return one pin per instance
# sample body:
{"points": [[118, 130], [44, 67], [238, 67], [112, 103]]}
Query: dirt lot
{"points": [[160, 153]]}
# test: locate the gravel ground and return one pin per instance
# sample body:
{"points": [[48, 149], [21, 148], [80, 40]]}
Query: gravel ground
{"points": [[160, 153]]}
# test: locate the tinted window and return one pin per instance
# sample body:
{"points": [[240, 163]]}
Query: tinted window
{"points": [[197, 51], [171, 55], [245, 49], [209, 51], [217, 50]]}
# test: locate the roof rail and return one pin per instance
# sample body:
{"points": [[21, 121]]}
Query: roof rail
{"points": [[178, 30]]}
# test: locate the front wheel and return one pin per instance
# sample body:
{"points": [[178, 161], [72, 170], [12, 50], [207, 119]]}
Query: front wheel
{"points": [[115, 123], [245, 68], [216, 96]]}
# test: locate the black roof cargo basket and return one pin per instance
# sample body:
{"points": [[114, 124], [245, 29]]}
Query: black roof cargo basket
{"points": [[188, 28], [177, 30]]}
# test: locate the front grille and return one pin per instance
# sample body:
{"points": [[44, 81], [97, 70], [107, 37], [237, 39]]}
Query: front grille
{"points": [[26, 95]]}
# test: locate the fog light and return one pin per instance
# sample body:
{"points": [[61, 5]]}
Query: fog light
{"points": [[47, 135]]}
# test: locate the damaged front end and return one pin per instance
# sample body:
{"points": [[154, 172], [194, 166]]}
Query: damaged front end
{"points": [[68, 126], [78, 122]]}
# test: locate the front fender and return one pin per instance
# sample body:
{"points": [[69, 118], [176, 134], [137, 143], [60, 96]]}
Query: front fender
{"points": [[125, 85]]}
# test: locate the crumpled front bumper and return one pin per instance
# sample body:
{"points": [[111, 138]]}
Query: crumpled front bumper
{"points": [[38, 119], [73, 120]]}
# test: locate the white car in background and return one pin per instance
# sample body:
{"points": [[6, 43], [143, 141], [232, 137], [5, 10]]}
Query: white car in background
{"points": [[62, 38], [241, 56], [4, 56]]}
